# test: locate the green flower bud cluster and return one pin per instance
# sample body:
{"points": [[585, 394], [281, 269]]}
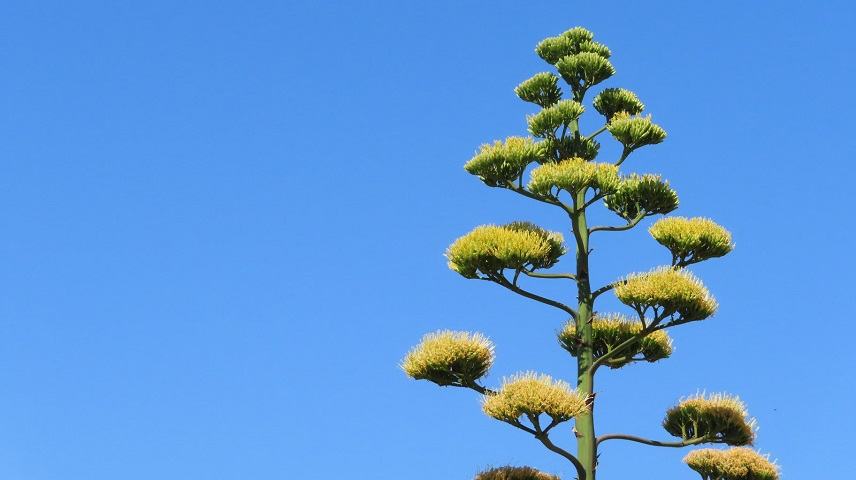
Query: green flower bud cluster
{"points": [[489, 249], [542, 89], [533, 394], [739, 463], [574, 41], [545, 123], [503, 162], [617, 100], [642, 195], [450, 358], [584, 70], [573, 175], [718, 417], [692, 240], [514, 473], [612, 330], [569, 146], [635, 132], [667, 291]]}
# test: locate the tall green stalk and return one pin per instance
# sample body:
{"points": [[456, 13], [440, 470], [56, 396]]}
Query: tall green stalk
{"points": [[584, 429]]}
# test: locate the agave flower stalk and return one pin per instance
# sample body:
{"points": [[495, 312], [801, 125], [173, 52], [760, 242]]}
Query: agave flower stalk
{"points": [[563, 172]]}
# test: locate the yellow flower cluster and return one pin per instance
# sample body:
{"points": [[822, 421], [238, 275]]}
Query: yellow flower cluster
{"points": [[490, 248], [514, 473], [739, 463], [609, 331], [533, 394], [634, 132], [574, 175], [450, 358], [692, 240], [502, 162], [669, 291], [563, 113], [719, 417]]}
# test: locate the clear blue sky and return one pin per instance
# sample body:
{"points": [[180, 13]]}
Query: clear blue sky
{"points": [[223, 226]]}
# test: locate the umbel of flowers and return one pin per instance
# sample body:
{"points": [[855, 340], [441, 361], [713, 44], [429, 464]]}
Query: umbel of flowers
{"points": [[557, 165]]}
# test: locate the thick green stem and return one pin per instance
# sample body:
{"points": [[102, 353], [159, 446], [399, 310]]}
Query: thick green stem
{"points": [[586, 440]]}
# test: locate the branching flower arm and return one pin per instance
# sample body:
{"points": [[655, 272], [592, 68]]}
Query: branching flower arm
{"points": [[501, 280], [632, 223], [569, 276], [656, 443]]}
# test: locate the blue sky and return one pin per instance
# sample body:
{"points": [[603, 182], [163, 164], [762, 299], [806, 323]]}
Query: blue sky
{"points": [[223, 226]]}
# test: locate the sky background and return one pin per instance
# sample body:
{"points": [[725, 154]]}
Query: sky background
{"points": [[222, 225]]}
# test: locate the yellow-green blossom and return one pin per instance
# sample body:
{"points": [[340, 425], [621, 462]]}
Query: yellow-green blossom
{"points": [[533, 394], [450, 358], [716, 417]]}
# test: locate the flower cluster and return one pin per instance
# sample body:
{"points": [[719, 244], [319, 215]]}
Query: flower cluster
{"points": [[642, 195], [545, 123], [489, 249], [667, 291], [617, 100], [533, 394], [716, 418], [612, 330], [574, 175], [738, 463], [692, 240], [571, 146], [572, 42], [514, 473], [634, 132], [542, 89], [450, 358], [503, 162]]}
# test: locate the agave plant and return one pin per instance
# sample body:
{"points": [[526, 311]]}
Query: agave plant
{"points": [[563, 172]]}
